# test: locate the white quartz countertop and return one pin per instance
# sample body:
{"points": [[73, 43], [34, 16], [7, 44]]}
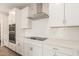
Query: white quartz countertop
{"points": [[59, 42], [63, 43]]}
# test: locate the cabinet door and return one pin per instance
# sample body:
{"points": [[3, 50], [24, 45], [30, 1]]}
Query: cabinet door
{"points": [[32, 50], [48, 50], [26, 23], [56, 13], [19, 47], [26, 49], [36, 50], [19, 40], [72, 14]]}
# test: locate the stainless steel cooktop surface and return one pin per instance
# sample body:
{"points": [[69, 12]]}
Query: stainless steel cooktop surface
{"points": [[37, 38]]}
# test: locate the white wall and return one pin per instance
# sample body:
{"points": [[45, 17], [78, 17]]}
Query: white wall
{"points": [[4, 27], [71, 33], [3, 15]]}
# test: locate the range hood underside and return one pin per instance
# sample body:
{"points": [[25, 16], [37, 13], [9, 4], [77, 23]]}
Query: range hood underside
{"points": [[40, 15]]}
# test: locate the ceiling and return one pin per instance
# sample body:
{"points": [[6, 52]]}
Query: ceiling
{"points": [[13, 5]]}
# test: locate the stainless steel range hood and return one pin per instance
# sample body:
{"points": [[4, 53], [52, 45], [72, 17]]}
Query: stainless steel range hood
{"points": [[40, 14]]}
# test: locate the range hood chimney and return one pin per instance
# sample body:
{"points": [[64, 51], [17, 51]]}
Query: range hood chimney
{"points": [[40, 14]]}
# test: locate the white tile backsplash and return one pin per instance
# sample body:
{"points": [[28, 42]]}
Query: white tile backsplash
{"points": [[71, 33], [39, 28]]}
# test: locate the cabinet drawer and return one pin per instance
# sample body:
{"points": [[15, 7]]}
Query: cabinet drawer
{"points": [[61, 54], [66, 51]]}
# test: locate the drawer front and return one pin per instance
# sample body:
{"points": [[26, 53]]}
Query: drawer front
{"points": [[61, 54], [66, 51]]}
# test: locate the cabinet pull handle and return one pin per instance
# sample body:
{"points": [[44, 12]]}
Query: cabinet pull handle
{"points": [[55, 51], [55, 48], [31, 48]]}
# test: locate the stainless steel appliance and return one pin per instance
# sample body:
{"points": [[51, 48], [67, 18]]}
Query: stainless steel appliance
{"points": [[12, 33]]}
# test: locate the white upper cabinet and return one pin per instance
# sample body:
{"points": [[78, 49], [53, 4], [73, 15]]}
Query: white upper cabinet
{"points": [[46, 8], [56, 13], [11, 17], [26, 23], [72, 14]]}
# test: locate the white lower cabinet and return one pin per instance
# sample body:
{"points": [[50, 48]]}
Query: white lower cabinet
{"points": [[50, 50], [12, 46], [35, 49], [5, 42], [32, 50], [19, 47]]}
